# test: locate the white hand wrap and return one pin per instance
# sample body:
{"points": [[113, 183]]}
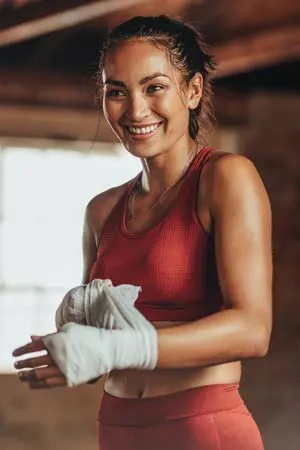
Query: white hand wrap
{"points": [[84, 352], [99, 304]]}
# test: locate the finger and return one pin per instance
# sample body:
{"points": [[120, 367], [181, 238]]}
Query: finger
{"points": [[49, 383], [31, 347], [43, 373], [45, 360]]}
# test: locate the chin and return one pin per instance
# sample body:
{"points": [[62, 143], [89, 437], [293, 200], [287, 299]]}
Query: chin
{"points": [[141, 145], [141, 149], [140, 152]]}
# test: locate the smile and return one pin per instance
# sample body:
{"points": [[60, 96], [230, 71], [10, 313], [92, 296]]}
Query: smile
{"points": [[143, 132]]}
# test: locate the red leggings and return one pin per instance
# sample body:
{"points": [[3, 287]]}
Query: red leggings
{"points": [[203, 418]]}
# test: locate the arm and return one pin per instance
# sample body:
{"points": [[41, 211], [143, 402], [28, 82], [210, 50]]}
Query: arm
{"points": [[72, 306], [241, 215], [94, 219], [89, 244], [89, 251], [96, 214], [49, 375]]}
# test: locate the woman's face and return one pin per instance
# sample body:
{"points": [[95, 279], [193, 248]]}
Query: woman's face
{"points": [[143, 100]]}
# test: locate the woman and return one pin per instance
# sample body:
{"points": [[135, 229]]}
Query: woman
{"points": [[194, 231]]}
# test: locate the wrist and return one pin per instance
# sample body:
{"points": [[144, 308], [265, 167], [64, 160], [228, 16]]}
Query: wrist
{"points": [[134, 348], [83, 353]]}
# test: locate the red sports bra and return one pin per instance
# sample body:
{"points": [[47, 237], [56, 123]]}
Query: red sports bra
{"points": [[173, 261]]}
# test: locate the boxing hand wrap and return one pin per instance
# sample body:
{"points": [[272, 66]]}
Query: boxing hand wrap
{"points": [[113, 307], [83, 353], [71, 309], [99, 304], [124, 338]]}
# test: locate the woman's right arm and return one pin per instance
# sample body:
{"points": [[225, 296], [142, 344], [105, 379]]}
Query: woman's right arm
{"points": [[96, 215], [89, 244], [42, 371]]}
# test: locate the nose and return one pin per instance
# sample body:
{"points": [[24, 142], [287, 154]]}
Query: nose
{"points": [[137, 108]]}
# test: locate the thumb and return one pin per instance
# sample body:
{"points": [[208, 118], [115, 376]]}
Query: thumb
{"points": [[34, 337]]}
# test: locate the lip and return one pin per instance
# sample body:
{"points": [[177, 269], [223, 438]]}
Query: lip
{"points": [[144, 136]]}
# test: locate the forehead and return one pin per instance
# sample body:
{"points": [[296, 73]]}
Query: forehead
{"points": [[132, 60]]}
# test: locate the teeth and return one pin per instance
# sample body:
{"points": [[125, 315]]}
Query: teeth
{"points": [[143, 130]]}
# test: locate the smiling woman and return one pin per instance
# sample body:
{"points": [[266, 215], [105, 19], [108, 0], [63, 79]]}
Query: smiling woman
{"points": [[172, 79], [193, 231]]}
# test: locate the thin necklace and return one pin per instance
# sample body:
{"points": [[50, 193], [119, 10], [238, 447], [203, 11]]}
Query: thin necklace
{"points": [[132, 215]]}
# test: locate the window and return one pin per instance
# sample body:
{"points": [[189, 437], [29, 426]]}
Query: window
{"points": [[43, 194]]}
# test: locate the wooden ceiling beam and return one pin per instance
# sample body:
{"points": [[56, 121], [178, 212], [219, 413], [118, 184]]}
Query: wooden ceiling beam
{"points": [[46, 17], [175, 8], [258, 50], [55, 123], [35, 87]]}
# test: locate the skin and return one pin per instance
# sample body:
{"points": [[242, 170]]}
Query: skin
{"points": [[231, 197]]}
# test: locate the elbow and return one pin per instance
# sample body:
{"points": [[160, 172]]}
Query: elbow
{"points": [[260, 343], [262, 349]]}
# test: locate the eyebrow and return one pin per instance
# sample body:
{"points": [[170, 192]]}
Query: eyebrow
{"points": [[141, 82]]}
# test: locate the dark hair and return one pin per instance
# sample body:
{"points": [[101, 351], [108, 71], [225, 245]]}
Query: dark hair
{"points": [[187, 51]]}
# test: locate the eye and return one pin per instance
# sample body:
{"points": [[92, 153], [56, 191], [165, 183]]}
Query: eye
{"points": [[153, 88], [116, 93]]}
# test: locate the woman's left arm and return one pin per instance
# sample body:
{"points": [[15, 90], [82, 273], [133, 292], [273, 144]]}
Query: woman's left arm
{"points": [[241, 217]]}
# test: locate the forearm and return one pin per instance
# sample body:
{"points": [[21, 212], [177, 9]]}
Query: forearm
{"points": [[226, 336]]}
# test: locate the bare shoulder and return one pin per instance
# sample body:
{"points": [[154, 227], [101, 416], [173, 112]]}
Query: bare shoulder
{"points": [[228, 175], [224, 164], [99, 207], [97, 212], [107, 199]]}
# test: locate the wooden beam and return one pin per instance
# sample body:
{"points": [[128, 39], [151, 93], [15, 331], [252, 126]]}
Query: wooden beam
{"points": [[54, 123], [50, 105], [46, 17], [221, 20], [258, 50], [175, 8], [59, 89]]}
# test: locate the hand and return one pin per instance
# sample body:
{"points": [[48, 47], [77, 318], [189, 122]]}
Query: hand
{"points": [[99, 304], [84, 353], [43, 372]]}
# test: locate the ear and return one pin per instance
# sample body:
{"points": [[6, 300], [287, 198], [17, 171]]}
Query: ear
{"points": [[195, 91]]}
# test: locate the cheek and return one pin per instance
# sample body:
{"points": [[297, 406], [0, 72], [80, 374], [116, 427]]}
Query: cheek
{"points": [[173, 103], [174, 110], [112, 112]]}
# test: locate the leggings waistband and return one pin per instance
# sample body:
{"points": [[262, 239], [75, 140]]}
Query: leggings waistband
{"points": [[191, 402]]}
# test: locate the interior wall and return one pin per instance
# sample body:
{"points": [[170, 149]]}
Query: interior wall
{"points": [[271, 385], [66, 418], [63, 419]]}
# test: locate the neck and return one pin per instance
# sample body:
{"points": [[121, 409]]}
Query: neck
{"points": [[165, 169]]}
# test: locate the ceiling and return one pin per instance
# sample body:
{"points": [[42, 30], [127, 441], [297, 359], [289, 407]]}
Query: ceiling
{"points": [[50, 48]]}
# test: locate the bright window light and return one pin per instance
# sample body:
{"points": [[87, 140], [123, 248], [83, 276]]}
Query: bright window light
{"points": [[42, 201]]}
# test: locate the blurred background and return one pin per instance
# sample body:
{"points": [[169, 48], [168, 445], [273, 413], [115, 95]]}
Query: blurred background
{"points": [[56, 152]]}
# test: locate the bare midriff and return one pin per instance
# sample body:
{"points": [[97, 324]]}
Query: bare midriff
{"points": [[151, 383]]}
